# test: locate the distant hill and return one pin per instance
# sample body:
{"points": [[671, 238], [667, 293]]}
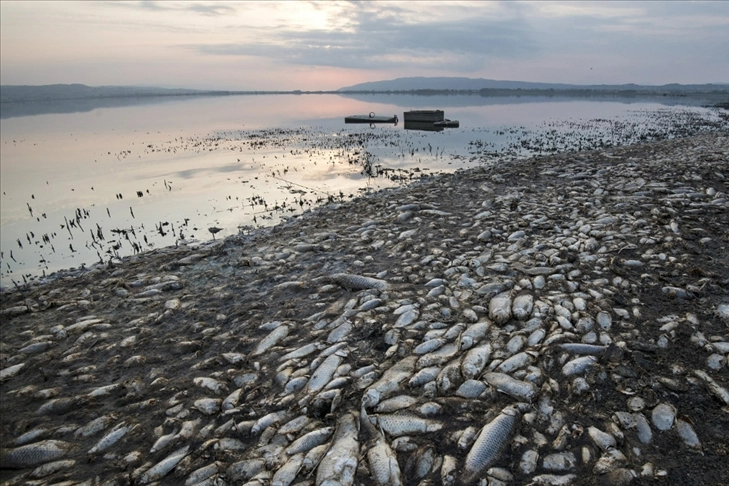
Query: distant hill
{"points": [[478, 84], [15, 93]]}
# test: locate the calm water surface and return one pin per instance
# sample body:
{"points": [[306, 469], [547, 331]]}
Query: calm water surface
{"points": [[91, 186]]}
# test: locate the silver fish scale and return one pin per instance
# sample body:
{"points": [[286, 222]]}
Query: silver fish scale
{"points": [[36, 453], [492, 439], [358, 282]]}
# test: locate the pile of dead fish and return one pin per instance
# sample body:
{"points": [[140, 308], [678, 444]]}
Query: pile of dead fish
{"points": [[557, 321]]}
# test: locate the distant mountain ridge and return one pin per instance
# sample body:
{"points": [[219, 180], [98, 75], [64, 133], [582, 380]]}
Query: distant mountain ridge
{"points": [[477, 84], [14, 93]]}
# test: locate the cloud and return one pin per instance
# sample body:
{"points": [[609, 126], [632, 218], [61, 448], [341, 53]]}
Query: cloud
{"points": [[375, 38], [207, 8], [329, 44]]}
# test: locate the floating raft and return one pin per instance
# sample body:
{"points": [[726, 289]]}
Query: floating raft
{"points": [[371, 118], [447, 123], [424, 116]]}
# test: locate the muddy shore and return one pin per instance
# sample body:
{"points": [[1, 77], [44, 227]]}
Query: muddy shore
{"points": [[639, 234]]}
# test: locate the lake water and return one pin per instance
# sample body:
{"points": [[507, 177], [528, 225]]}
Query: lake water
{"points": [[85, 182]]}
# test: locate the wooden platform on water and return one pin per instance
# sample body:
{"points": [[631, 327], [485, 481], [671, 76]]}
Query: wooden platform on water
{"points": [[424, 116], [371, 118]]}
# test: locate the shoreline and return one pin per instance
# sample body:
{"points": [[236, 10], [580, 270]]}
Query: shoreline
{"points": [[49, 250], [624, 249], [194, 244]]}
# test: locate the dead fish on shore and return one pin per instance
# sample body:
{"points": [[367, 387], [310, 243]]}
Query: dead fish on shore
{"points": [[339, 465], [34, 454], [492, 439], [357, 282]]}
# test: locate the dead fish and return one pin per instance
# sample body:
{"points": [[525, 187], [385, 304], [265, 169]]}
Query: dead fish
{"points": [[528, 462], [95, 426], [189, 427], [357, 282], [245, 469], [521, 390], [231, 401], [52, 468], [384, 467], [467, 438], [234, 358], [295, 384], [516, 362], [119, 431], [104, 390], [424, 376], [208, 406], [210, 384], [162, 468], [601, 439], [578, 365], [686, 432], [294, 426], [522, 306], [58, 406], [308, 441], [323, 374], [395, 403], [268, 420], [36, 347], [34, 454], [271, 340], [473, 334], [10, 371], [302, 351], [448, 470], [470, 389], [203, 473], [339, 465], [390, 382], [314, 456], [31, 435], [407, 318], [663, 416], [341, 332], [492, 439], [397, 425], [719, 391], [286, 474], [553, 480], [163, 442], [581, 348], [475, 361], [500, 307], [439, 356], [429, 346], [645, 434], [449, 377]]}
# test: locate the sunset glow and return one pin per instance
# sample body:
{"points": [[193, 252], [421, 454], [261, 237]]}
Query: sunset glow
{"points": [[328, 45]]}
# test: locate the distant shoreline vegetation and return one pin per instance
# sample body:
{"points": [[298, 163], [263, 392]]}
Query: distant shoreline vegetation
{"points": [[18, 101], [59, 92]]}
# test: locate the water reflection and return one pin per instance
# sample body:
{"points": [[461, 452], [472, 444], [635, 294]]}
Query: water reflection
{"points": [[421, 125], [81, 188], [440, 100], [31, 108]]}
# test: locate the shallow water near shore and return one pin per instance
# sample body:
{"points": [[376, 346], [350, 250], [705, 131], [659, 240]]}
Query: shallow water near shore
{"points": [[86, 187]]}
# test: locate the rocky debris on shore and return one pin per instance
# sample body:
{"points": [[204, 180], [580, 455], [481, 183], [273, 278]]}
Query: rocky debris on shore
{"points": [[558, 320]]}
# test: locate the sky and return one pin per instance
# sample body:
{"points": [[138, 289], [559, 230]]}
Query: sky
{"points": [[288, 45]]}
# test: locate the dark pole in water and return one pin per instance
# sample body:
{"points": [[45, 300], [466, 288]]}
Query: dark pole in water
{"points": [[215, 230]]}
